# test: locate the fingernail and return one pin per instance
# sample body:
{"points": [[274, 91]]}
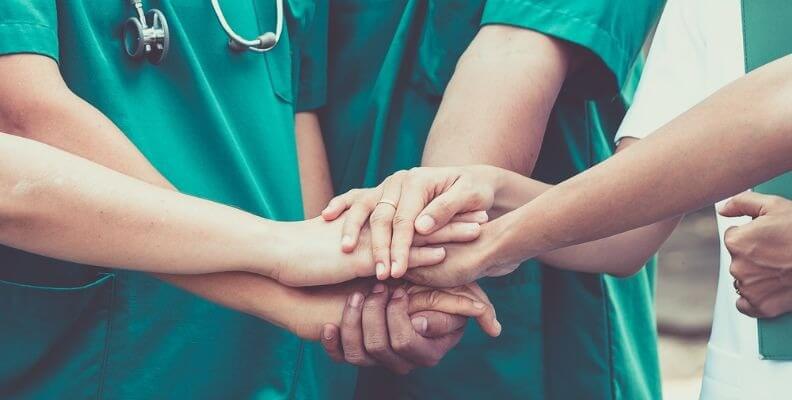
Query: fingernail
{"points": [[424, 223], [440, 251], [394, 268], [381, 271], [378, 288], [327, 332], [346, 241], [420, 324], [356, 300], [498, 327], [398, 293], [479, 305]]}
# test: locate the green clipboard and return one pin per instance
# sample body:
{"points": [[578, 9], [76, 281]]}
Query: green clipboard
{"points": [[767, 35]]}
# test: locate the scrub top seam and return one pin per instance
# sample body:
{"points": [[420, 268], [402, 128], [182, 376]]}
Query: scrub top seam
{"points": [[108, 334], [297, 367]]}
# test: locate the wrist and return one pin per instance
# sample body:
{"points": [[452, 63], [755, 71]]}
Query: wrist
{"points": [[506, 247], [268, 248]]}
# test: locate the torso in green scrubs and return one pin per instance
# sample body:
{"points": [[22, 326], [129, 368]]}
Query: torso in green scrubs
{"points": [[218, 125], [566, 335]]}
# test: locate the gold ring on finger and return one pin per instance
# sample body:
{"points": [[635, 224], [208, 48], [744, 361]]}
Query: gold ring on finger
{"points": [[388, 202]]}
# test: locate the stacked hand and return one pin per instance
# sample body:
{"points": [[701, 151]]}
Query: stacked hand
{"points": [[761, 253], [421, 203]]}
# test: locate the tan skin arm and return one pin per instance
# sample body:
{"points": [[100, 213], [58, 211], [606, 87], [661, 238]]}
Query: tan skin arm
{"points": [[316, 184]]}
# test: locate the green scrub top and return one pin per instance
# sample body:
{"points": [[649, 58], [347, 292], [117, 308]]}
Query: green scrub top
{"points": [[566, 335], [217, 124]]}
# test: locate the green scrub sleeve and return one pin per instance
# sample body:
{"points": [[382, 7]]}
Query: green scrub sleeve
{"points": [[29, 26], [613, 31], [312, 84]]}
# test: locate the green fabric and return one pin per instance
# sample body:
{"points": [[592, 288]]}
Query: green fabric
{"points": [[218, 125], [566, 335], [766, 31], [308, 24]]}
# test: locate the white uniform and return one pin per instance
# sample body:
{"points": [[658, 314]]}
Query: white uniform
{"points": [[698, 49]]}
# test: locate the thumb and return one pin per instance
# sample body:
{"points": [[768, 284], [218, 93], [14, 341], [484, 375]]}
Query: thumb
{"points": [[444, 207], [746, 203]]}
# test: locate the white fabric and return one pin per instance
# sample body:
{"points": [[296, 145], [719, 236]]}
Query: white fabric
{"points": [[698, 49]]}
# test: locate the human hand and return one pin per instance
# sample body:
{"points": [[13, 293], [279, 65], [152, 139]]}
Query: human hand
{"points": [[761, 253], [311, 255], [422, 200], [413, 327], [465, 263]]}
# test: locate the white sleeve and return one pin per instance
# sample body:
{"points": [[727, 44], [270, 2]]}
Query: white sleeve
{"points": [[673, 77]]}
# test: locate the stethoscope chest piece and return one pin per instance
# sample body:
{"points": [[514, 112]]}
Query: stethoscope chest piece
{"points": [[147, 35]]}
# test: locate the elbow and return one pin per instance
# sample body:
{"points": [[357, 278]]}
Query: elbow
{"points": [[24, 116], [627, 268]]}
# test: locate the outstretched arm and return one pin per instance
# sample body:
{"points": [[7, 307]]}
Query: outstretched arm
{"points": [[737, 138]]}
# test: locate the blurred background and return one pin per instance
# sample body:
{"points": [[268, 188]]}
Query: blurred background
{"points": [[686, 283]]}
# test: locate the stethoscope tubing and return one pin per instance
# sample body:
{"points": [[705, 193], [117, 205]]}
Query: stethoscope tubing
{"points": [[254, 45]]}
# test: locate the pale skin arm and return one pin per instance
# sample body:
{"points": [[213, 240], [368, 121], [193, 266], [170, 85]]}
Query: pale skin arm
{"points": [[315, 181], [36, 104], [621, 254], [737, 138]]}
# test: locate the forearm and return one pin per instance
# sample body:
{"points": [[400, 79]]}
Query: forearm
{"points": [[737, 138], [317, 188], [35, 110], [66, 207], [620, 254], [499, 120]]}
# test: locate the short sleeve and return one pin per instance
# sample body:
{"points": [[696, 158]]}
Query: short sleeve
{"points": [[312, 73], [29, 26], [673, 78], [612, 30]]}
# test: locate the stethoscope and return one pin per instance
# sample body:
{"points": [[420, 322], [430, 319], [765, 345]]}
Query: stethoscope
{"points": [[147, 34]]}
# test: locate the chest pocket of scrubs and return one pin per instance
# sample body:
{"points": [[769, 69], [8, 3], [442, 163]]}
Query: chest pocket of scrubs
{"points": [[448, 29], [54, 320]]}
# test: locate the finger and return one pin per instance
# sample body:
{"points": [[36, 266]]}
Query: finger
{"points": [[435, 324], [377, 332], [444, 207], [772, 305], [412, 201], [403, 338], [746, 203], [426, 256], [331, 342], [337, 206], [352, 333], [438, 300], [454, 232], [746, 308], [354, 221], [479, 217], [381, 223]]}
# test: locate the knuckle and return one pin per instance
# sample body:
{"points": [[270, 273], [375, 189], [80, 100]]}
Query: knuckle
{"points": [[380, 217], [400, 342], [375, 344], [354, 357], [733, 240], [402, 221], [435, 297]]}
